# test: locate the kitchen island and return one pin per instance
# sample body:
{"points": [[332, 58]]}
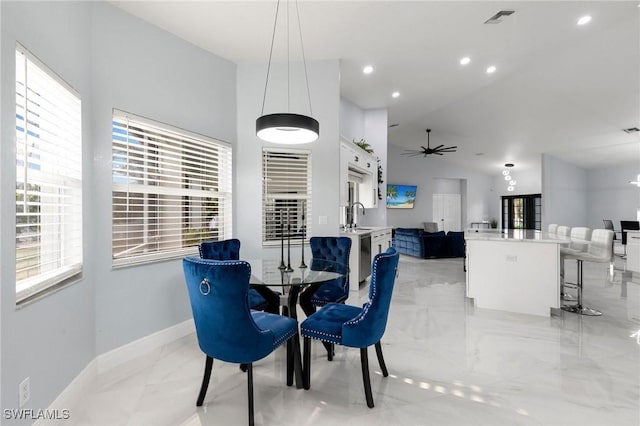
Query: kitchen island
{"points": [[515, 270]]}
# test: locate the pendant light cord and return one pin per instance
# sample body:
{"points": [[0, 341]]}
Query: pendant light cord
{"points": [[288, 63], [304, 60], [273, 37]]}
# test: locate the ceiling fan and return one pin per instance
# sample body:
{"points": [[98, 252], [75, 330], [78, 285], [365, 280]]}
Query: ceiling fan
{"points": [[438, 150]]}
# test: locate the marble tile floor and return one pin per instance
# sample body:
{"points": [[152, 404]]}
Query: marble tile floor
{"points": [[449, 364]]}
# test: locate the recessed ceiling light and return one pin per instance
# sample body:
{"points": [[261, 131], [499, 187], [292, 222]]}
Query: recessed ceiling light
{"points": [[465, 60], [368, 69], [395, 94], [491, 69], [584, 20]]}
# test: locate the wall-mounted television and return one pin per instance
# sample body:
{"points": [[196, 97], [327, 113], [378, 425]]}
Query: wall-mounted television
{"points": [[401, 196]]}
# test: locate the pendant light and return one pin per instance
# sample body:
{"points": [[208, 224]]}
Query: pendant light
{"points": [[287, 127]]}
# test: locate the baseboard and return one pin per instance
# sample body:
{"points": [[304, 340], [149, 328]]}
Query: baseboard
{"points": [[143, 346], [111, 359], [70, 395]]}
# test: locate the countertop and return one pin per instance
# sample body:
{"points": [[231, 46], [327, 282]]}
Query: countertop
{"points": [[363, 231], [515, 235]]}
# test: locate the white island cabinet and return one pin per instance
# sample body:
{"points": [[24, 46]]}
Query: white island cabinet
{"points": [[633, 251], [515, 272]]}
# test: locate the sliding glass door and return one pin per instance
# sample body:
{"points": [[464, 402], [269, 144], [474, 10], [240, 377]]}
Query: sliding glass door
{"points": [[522, 211]]}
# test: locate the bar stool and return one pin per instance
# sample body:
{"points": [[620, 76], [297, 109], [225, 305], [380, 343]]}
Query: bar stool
{"points": [[563, 231], [580, 238], [601, 251]]}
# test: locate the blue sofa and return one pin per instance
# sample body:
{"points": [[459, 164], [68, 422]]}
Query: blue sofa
{"points": [[428, 245]]}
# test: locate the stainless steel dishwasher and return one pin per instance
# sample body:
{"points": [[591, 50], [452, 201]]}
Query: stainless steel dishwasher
{"points": [[365, 256]]}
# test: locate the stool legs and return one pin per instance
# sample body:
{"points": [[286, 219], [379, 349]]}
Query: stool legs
{"points": [[563, 295], [578, 308]]}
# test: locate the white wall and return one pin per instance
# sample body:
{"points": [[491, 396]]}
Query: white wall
{"points": [[113, 60], [372, 126], [50, 340], [574, 196], [564, 193], [351, 121], [611, 196], [139, 68], [375, 133], [424, 172], [325, 97]]}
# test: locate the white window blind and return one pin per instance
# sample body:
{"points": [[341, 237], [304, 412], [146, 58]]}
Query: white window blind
{"points": [[171, 190], [286, 194], [48, 178]]}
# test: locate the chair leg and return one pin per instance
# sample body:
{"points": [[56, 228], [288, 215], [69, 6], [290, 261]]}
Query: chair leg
{"points": [[330, 350], [383, 366], [290, 361], [205, 381], [250, 392], [364, 360], [306, 367]]}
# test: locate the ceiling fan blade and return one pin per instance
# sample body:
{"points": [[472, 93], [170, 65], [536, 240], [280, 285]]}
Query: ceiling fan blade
{"points": [[438, 147], [437, 153]]}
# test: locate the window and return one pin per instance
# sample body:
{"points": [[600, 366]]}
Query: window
{"points": [[171, 190], [48, 178], [522, 212], [286, 194]]}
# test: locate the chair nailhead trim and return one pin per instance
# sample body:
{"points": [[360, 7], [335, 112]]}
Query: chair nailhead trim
{"points": [[321, 333], [283, 339]]}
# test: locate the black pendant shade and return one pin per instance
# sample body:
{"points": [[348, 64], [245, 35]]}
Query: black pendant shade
{"points": [[287, 128]]}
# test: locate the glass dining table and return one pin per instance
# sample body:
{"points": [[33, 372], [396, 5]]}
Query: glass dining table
{"points": [[271, 275]]}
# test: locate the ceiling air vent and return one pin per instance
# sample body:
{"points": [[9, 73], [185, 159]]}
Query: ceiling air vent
{"points": [[631, 130], [495, 19]]}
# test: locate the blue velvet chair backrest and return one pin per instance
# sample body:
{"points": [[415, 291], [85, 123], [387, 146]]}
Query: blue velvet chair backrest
{"points": [[220, 250], [334, 249], [218, 291], [368, 327]]}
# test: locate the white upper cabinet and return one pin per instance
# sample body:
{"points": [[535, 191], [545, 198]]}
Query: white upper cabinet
{"points": [[357, 165]]}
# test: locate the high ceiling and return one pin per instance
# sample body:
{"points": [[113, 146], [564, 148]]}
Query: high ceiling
{"points": [[559, 88]]}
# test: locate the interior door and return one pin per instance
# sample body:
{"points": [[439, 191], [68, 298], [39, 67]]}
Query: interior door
{"points": [[447, 212]]}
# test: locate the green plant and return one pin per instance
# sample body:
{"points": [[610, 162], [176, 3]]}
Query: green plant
{"points": [[493, 223], [364, 145]]}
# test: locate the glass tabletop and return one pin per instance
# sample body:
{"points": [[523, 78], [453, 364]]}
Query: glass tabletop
{"points": [[267, 272]]}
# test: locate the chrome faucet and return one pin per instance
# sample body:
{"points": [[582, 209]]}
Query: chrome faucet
{"points": [[354, 211]]}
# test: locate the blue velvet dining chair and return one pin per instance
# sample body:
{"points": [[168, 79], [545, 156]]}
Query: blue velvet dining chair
{"points": [[218, 291], [230, 250], [336, 250], [353, 326], [330, 254]]}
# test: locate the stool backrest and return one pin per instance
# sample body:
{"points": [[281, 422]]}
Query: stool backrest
{"points": [[580, 237], [601, 246], [563, 231], [553, 228]]}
